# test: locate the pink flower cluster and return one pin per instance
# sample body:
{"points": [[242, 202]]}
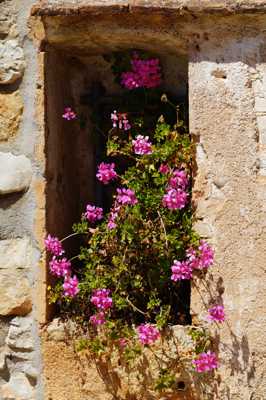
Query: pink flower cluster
{"points": [[123, 197], [70, 286], [53, 245], [206, 362], [101, 299], [144, 74], [216, 313], [120, 121], [181, 270], [103, 302], [148, 333], [178, 179], [106, 172], [175, 199], [93, 213], [113, 215], [69, 114], [126, 196], [176, 196], [203, 258], [60, 267], [196, 259], [164, 169], [98, 319], [141, 145]]}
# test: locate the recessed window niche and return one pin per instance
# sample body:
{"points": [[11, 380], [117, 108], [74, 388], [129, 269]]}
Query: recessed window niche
{"points": [[78, 74]]}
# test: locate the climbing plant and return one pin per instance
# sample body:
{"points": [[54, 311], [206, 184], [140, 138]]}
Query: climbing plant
{"points": [[136, 261]]}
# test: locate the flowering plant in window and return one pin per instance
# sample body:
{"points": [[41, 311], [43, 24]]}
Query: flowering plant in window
{"points": [[138, 259]]}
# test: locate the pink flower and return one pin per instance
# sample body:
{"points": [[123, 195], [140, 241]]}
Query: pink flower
{"points": [[164, 169], [206, 255], [98, 319], [70, 286], [122, 342], [126, 196], [175, 199], [142, 145], [106, 172], [178, 179], [202, 258], [216, 313], [145, 73], [181, 270], [53, 245], [69, 114], [93, 213], [101, 299], [112, 217], [59, 267], [205, 362], [148, 333], [120, 121]]}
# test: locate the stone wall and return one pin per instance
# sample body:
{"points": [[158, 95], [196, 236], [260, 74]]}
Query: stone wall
{"points": [[20, 171], [224, 42]]}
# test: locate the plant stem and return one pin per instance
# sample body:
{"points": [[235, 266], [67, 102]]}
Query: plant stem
{"points": [[72, 234], [134, 307], [163, 226]]}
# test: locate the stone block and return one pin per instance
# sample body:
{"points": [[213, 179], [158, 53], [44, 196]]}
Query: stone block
{"points": [[18, 388], [15, 255], [20, 334], [15, 173], [11, 107], [12, 62], [261, 119]]}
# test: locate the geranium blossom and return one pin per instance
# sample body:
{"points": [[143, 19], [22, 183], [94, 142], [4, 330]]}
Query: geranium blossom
{"points": [[178, 179], [148, 333], [205, 362], [216, 313], [106, 172], [101, 299], [70, 286], [201, 258], [164, 169], [145, 73], [53, 245], [69, 114], [113, 216], [206, 255], [181, 270], [126, 196], [120, 120], [175, 199], [59, 267], [93, 213], [141, 145], [98, 319]]}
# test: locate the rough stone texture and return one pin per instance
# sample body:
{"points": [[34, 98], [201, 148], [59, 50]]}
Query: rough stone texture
{"points": [[225, 123], [11, 107], [18, 388], [14, 285], [20, 334], [12, 62], [63, 7], [15, 173], [109, 379]]}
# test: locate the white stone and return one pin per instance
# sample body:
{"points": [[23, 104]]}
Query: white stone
{"points": [[15, 253], [15, 259], [12, 62], [18, 388], [20, 335], [261, 119], [15, 173], [58, 330]]}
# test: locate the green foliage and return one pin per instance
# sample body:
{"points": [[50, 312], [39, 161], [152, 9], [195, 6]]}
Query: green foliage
{"points": [[165, 381]]}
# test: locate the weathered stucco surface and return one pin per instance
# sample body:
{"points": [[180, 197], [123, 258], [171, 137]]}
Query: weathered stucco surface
{"points": [[224, 43]]}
